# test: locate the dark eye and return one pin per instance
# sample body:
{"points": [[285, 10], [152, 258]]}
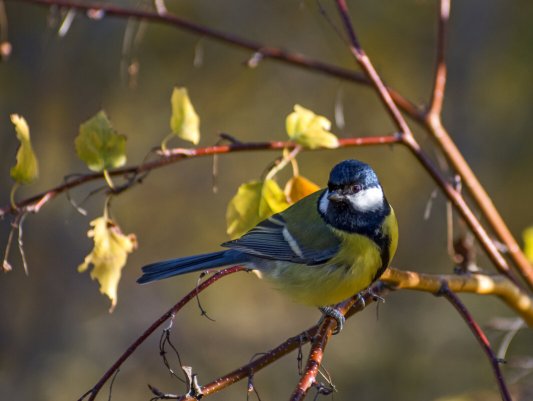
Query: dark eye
{"points": [[355, 188]]}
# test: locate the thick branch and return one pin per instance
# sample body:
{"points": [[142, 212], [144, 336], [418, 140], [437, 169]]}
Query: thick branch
{"points": [[480, 284]]}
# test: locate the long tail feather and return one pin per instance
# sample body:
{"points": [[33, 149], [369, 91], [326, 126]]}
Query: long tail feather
{"points": [[188, 264]]}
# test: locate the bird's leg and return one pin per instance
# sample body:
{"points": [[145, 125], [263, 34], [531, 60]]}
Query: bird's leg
{"points": [[335, 314]]}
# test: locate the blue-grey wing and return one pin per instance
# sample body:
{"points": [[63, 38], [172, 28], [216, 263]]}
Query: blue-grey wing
{"points": [[274, 239]]}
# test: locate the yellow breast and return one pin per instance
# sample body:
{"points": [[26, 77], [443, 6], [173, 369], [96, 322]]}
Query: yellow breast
{"points": [[350, 271]]}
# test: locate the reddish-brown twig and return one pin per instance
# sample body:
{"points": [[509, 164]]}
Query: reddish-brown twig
{"points": [[265, 52], [320, 340], [392, 279], [433, 124], [167, 315], [480, 337], [281, 350], [398, 279], [34, 203], [409, 140], [259, 363], [429, 119], [439, 83]]}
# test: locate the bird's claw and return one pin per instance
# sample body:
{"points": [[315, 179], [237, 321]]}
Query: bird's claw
{"points": [[335, 314]]}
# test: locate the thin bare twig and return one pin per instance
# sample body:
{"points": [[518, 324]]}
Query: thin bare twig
{"points": [[320, 340], [92, 393], [392, 279], [370, 71], [439, 84], [34, 203], [269, 357], [480, 337], [409, 140], [433, 125], [265, 52]]}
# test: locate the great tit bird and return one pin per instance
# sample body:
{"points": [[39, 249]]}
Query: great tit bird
{"points": [[323, 249]]}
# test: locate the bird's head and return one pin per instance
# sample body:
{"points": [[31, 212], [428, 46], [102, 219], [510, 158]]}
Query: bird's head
{"points": [[353, 187]]}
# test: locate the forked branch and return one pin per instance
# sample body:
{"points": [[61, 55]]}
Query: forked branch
{"points": [[430, 119], [392, 279], [34, 203], [93, 392], [409, 140]]}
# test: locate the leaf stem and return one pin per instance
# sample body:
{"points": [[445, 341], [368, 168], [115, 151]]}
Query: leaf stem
{"points": [[12, 196], [108, 179], [286, 159]]}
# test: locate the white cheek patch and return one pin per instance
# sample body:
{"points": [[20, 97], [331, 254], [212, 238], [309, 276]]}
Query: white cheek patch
{"points": [[366, 200], [324, 203]]}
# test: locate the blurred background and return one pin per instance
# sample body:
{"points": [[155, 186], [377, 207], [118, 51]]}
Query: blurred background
{"points": [[57, 337]]}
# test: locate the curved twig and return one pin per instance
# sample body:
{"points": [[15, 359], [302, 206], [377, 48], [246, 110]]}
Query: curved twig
{"points": [[34, 203], [264, 52], [316, 353], [430, 119], [392, 279], [439, 83], [410, 141], [480, 337], [93, 392], [480, 284], [433, 124]]}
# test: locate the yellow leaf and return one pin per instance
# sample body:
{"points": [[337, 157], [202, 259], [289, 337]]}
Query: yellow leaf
{"points": [[99, 145], [27, 169], [109, 255], [528, 243], [184, 121], [254, 202], [273, 200], [299, 187], [310, 130]]}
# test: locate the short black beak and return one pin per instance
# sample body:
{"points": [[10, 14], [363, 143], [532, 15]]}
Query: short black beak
{"points": [[336, 197]]}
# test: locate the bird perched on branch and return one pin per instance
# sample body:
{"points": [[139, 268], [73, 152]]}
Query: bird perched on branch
{"points": [[322, 250]]}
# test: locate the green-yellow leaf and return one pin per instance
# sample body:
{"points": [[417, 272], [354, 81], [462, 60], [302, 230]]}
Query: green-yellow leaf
{"points": [[99, 145], [184, 121], [109, 255], [528, 243], [310, 130], [299, 187], [273, 199], [254, 202], [27, 168]]}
